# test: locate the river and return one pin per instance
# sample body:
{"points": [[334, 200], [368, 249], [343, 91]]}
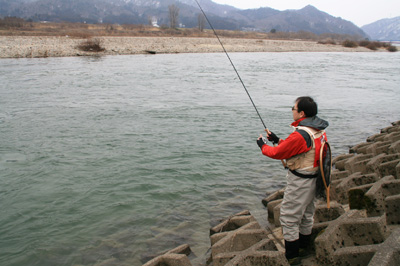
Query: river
{"points": [[115, 159]]}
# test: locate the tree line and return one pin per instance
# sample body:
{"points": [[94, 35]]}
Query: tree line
{"points": [[173, 12], [12, 22]]}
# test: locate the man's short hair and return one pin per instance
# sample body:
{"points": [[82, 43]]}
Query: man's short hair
{"points": [[307, 105]]}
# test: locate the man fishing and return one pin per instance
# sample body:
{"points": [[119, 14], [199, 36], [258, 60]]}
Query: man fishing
{"points": [[301, 152], [299, 149]]}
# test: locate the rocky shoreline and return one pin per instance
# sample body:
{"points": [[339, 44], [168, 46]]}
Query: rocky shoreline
{"points": [[52, 46], [361, 227]]}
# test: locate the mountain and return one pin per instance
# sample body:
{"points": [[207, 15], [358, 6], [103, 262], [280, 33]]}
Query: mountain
{"points": [[384, 29], [307, 19], [139, 11]]}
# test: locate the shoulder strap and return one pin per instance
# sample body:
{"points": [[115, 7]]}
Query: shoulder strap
{"points": [[313, 133]]}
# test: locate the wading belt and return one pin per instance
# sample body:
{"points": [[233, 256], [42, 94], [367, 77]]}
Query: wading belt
{"points": [[303, 175]]}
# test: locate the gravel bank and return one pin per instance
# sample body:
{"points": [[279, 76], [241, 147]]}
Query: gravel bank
{"points": [[39, 46]]}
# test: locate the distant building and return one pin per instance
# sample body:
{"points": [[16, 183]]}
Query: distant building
{"points": [[154, 22]]}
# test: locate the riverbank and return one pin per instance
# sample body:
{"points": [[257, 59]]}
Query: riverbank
{"points": [[360, 227], [54, 46]]}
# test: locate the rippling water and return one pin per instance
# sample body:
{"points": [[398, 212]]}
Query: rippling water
{"points": [[115, 159]]}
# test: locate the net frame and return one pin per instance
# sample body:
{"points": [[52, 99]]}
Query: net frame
{"points": [[325, 164]]}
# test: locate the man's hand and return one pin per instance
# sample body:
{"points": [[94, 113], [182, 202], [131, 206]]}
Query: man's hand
{"points": [[272, 137], [260, 141]]}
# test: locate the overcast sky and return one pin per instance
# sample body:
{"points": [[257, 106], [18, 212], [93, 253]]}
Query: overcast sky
{"points": [[360, 12]]}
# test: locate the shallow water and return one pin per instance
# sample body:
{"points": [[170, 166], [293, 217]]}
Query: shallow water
{"points": [[115, 159]]}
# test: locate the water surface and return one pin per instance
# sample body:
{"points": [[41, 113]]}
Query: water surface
{"points": [[115, 159]]}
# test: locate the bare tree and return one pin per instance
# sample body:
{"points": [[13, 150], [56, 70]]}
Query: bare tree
{"points": [[201, 21], [173, 16]]}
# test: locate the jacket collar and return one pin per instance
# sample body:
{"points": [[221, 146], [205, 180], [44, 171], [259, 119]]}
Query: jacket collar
{"points": [[313, 122], [297, 122]]}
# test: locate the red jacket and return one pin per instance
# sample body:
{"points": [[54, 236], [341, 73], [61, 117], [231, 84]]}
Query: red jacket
{"points": [[295, 143]]}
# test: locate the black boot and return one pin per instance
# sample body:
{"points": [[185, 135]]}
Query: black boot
{"points": [[304, 245], [292, 252]]}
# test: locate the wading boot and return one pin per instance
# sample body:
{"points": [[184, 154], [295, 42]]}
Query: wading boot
{"points": [[305, 246], [292, 252]]}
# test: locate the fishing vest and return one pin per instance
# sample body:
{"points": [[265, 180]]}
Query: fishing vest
{"points": [[308, 161]]}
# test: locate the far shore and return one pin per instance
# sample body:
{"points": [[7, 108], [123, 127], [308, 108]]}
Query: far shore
{"points": [[65, 46]]}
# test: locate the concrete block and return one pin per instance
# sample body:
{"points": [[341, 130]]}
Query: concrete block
{"points": [[276, 195], [378, 148], [264, 252], [360, 148], [341, 157], [218, 236], [329, 240], [232, 223], [357, 163], [175, 260], [223, 259], [352, 229], [376, 137], [374, 164], [339, 161], [247, 245], [397, 170], [174, 257], [277, 214], [354, 180], [392, 137], [273, 196], [349, 256], [243, 239], [393, 128], [392, 210], [356, 196], [389, 168], [394, 148], [323, 214], [374, 199], [271, 206], [337, 174], [388, 253]]}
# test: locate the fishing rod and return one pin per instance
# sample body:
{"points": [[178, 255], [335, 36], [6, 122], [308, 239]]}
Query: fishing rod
{"points": [[227, 55], [248, 94]]}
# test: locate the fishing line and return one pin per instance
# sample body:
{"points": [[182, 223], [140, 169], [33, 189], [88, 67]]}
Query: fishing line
{"points": [[227, 55]]}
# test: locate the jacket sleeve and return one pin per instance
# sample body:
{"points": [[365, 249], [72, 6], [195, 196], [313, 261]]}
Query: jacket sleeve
{"points": [[293, 145]]}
